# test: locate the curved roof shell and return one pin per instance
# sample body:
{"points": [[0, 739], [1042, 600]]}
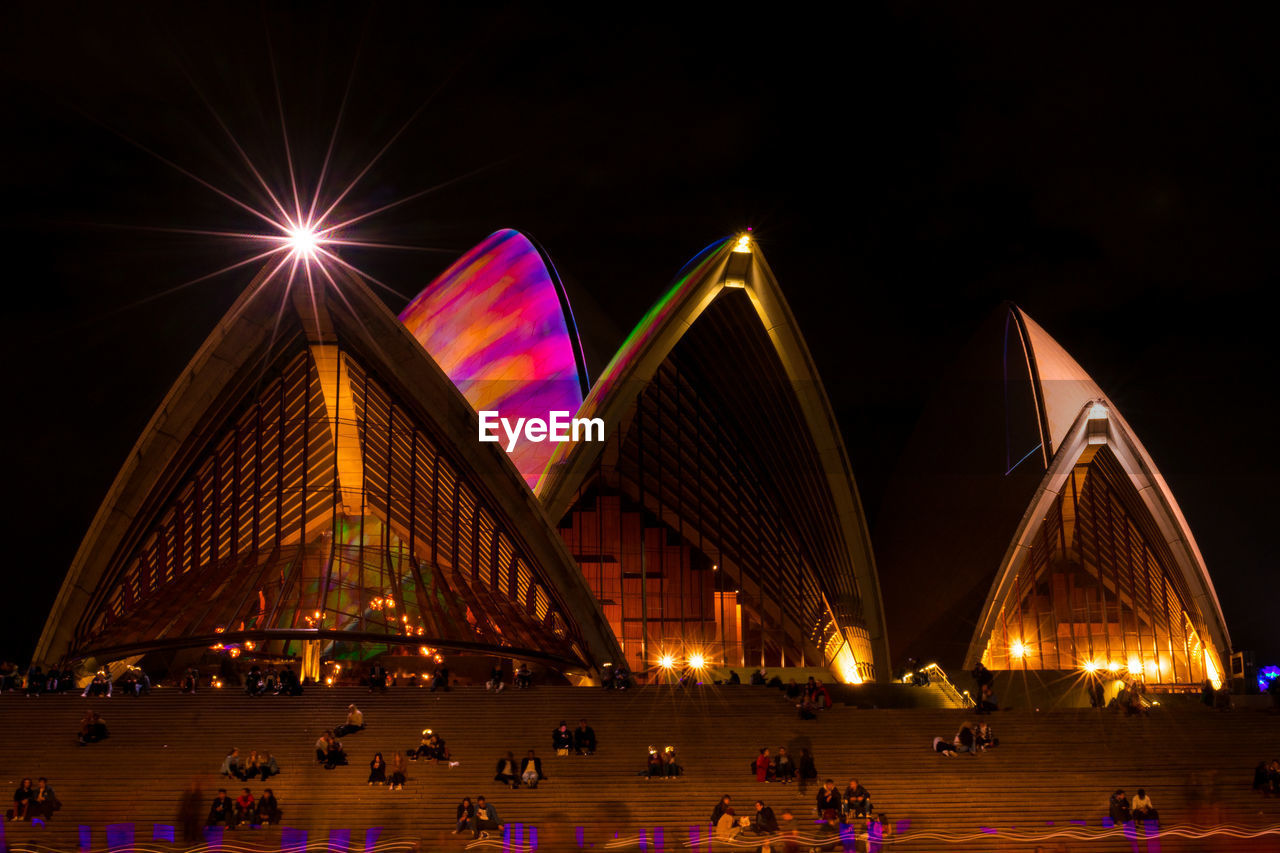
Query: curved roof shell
{"points": [[367, 447], [795, 431], [498, 323]]}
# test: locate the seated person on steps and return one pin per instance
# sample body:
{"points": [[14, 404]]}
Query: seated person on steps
{"points": [[531, 770], [353, 723]]}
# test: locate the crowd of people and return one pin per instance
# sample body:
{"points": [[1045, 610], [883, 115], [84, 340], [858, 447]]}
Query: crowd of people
{"points": [[33, 801], [245, 810], [255, 765], [835, 808]]}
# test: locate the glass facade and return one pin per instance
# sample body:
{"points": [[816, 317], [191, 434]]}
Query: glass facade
{"points": [[703, 528], [1098, 590], [322, 503]]}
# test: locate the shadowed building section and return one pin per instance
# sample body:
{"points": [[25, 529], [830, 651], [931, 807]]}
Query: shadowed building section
{"points": [[1054, 543], [312, 485], [498, 323], [719, 517]]}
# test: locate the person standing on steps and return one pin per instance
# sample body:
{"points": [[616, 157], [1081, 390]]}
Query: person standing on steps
{"points": [[808, 771]]}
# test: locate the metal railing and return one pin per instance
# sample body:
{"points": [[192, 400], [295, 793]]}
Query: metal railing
{"points": [[934, 674]]}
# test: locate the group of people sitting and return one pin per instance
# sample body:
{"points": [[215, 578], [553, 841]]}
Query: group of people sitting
{"points": [[1266, 778], [581, 740], [497, 682], [99, 685], [92, 728], [478, 817], [36, 680], [244, 810], [378, 772], [729, 826], [810, 698], [854, 803], [781, 769], [616, 677], [256, 765], [1122, 810], [33, 801], [662, 764], [1131, 698], [529, 772], [432, 748], [968, 740], [329, 750], [260, 682]]}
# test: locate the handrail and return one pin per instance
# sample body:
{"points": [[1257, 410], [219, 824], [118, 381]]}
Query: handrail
{"points": [[937, 673]]}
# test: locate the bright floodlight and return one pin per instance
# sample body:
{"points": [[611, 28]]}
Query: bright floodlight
{"points": [[1090, 666], [303, 241], [666, 661], [697, 661], [1018, 650]]}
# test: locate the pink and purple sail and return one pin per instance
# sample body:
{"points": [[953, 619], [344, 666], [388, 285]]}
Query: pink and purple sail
{"points": [[498, 323]]}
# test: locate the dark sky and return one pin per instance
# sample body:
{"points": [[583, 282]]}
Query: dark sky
{"points": [[906, 168]]}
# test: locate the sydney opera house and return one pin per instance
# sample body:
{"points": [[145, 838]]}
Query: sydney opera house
{"points": [[1055, 545], [313, 487]]}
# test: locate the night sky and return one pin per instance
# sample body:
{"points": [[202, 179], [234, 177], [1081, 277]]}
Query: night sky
{"points": [[906, 169]]}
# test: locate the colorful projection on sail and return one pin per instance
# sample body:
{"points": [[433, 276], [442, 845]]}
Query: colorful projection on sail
{"points": [[498, 323]]}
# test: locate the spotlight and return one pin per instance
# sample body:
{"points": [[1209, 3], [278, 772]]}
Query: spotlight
{"points": [[303, 241], [1113, 666], [1018, 650], [697, 661], [666, 661], [1090, 666]]}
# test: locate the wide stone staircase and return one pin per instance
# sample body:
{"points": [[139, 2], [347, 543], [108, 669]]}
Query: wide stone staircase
{"points": [[1045, 787]]}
